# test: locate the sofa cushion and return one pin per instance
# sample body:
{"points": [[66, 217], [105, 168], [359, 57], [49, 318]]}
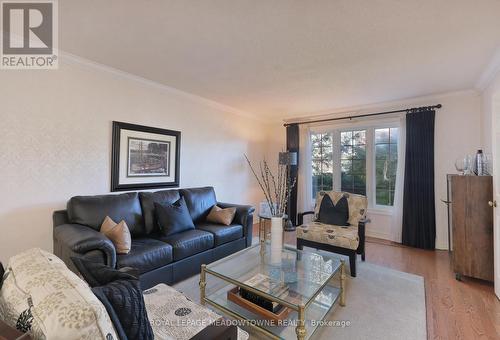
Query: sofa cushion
{"points": [[40, 289], [199, 201], [148, 200], [188, 243], [92, 210], [146, 254], [173, 218], [222, 234]]}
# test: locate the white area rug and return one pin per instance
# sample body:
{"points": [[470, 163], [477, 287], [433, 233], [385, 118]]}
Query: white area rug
{"points": [[381, 304]]}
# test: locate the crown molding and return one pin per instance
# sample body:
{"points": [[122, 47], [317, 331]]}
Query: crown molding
{"points": [[71, 59], [490, 73], [380, 106]]}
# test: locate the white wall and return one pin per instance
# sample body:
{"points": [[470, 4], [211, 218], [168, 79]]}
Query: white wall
{"points": [[457, 133], [486, 109], [55, 142]]}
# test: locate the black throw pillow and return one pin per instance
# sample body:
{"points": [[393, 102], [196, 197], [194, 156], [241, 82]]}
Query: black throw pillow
{"points": [[173, 218], [121, 294], [336, 214], [98, 274]]}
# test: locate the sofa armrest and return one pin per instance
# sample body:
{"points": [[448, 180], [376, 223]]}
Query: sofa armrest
{"points": [[72, 239], [244, 216], [60, 217], [241, 209], [300, 216]]}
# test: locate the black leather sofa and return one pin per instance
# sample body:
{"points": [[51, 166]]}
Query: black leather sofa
{"points": [[158, 259]]}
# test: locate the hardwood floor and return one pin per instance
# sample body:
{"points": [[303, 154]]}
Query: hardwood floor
{"points": [[455, 310]]}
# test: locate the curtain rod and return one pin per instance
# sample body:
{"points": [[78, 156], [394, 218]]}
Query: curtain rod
{"points": [[421, 108]]}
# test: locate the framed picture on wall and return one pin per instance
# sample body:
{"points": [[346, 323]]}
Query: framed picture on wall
{"points": [[144, 157]]}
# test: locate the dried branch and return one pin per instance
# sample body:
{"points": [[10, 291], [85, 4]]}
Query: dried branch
{"points": [[277, 188], [266, 193], [264, 172]]}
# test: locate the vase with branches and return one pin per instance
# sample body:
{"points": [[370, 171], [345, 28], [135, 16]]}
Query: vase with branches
{"points": [[276, 187]]}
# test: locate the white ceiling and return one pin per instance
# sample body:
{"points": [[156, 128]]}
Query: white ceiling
{"points": [[289, 57]]}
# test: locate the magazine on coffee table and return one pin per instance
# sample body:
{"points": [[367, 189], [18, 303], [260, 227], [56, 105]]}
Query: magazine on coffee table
{"points": [[266, 284]]}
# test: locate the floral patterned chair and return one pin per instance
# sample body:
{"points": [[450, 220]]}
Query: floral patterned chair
{"points": [[345, 240]]}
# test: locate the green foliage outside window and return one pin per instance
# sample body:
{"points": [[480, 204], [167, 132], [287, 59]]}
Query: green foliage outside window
{"points": [[322, 162], [353, 161], [386, 164]]}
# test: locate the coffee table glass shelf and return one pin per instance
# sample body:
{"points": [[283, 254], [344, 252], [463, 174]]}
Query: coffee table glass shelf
{"points": [[314, 284]]}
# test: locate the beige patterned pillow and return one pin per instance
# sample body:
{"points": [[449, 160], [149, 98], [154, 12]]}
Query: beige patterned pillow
{"points": [[221, 216], [44, 296], [118, 233]]}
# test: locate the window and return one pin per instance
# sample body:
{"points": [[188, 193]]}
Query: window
{"points": [[353, 161], [361, 161], [322, 162], [386, 163]]}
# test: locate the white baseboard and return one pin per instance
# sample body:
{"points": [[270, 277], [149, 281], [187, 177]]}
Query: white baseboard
{"points": [[383, 236]]}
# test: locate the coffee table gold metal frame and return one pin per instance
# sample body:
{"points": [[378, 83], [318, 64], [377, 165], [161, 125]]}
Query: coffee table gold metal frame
{"points": [[300, 329]]}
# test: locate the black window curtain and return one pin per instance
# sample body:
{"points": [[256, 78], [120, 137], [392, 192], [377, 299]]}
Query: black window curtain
{"points": [[292, 145], [419, 211]]}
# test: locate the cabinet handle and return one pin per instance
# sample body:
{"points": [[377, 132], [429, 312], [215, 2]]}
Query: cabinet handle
{"points": [[492, 204]]}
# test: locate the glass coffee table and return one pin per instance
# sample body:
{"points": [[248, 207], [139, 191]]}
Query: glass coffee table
{"points": [[309, 284]]}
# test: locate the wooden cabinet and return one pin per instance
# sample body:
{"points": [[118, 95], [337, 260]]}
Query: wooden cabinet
{"points": [[472, 225]]}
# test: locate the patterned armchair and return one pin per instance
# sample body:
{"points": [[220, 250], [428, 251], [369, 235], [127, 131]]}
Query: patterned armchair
{"points": [[345, 240]]}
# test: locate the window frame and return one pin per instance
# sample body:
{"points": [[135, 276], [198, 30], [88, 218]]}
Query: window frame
{"points": [[370, 128]]}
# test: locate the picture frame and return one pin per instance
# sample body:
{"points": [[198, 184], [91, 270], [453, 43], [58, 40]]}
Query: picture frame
{"points": [[144, 157]]}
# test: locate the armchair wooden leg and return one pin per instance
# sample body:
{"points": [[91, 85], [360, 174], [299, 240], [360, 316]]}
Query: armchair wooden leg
{"points": [[300, 246], [352, 263]]}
